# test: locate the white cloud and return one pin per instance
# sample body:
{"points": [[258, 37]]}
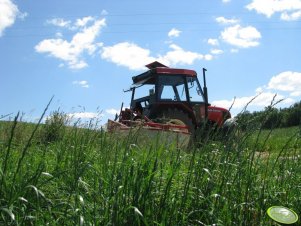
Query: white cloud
{"points": [[135, 57], [180, 56], [83, 83], [263, 99], [287, 81], [174, 33], [8, 14], [60, 22], [127, 54], [83, 22], [288, 9], [217, 51], [291, 17], [226, 1], [58, 35], [264, 7], [85, 115], [208, 57], [295, 94], [112, 111], [223, 20], [72, 51], [78, 24], [243, 37], [260, 90], [213, 42]]}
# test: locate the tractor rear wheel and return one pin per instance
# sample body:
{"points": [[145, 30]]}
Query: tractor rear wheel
{"points": [[177, 117]]}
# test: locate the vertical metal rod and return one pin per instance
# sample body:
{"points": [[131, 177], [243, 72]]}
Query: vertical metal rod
{"points": [[205, 94], [119, 116]]}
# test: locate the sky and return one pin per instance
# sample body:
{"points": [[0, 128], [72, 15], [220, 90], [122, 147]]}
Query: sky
{"points": [[84, 53]]}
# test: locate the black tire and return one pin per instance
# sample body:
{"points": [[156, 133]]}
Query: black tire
{"points": [[177, 116], [174, 113]]}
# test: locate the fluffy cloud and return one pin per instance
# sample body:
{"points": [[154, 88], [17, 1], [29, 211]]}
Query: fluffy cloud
{"points": [[72, 51], [60, 22], [208, 57], [213, 42], [234, 50], [180, 56], [135, 57], [83, 22], [243, 37], [223, 20], [83, 84], [174, 33], [79, 23], [217, 51], [236, 35], [290, 17], [127, 54], [8, 14], [287, 81], [263, 99], [85, 115], [112, 111], [288, 9]]}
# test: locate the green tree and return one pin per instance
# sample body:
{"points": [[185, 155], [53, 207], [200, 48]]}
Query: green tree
{"points": [[271, 118]]}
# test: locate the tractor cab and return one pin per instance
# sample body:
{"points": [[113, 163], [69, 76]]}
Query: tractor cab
{"points": [[172, 93], [161, 86]]}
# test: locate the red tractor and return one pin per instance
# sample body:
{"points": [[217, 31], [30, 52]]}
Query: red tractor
{"points": [[173, 94]]}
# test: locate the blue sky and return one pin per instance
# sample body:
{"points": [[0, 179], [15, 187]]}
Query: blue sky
{"points": [[85, 52]]}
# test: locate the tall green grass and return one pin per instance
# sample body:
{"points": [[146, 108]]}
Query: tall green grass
{"points": [[88, 177]]}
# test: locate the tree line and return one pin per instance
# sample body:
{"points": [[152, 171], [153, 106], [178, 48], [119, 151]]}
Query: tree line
{"points": [[272, 117]]}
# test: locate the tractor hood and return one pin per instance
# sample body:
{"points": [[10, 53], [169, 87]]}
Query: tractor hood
{"points": [[218, 114]]}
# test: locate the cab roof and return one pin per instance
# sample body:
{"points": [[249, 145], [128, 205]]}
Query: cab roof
{"points": [[157, 68]]}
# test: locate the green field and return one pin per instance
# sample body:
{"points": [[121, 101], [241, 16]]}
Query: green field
{"points": [[85, 177]]}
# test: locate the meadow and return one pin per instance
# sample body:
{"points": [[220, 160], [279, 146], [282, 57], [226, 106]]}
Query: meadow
{"points": [[84, 176]]}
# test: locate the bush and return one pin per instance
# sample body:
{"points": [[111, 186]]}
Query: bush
{"points": [[54, 128]]}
